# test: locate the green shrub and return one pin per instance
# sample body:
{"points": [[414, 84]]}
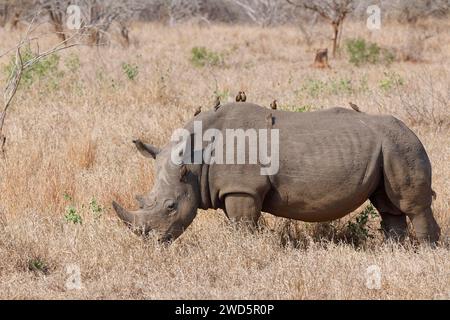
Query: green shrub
{"points": [[361, 52], [201, 56], [357, 232], [67, 196], [72, 62], [44, 68], [38, 265], [316, 87], [304, 108], [96, 208], [340, 86], [72, 215], [363, 84], [391, 80], [130, 70]]}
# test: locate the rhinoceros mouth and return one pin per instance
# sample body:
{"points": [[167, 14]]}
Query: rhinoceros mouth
{"points": [[167, 239]]}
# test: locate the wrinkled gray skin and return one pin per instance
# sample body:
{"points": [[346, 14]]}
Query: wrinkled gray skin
{"points": [[331, 161]]}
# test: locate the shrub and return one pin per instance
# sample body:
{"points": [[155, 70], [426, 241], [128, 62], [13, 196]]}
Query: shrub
{"points": [[316, 87], [130, 70], [363, 84], [362, 52], [390, 81], [43, 68], [304, 108], [341, 86], [201, 56], [357, 232], [96, 208], [72, 62], [67, 197], [38, 265], [72, 215]]}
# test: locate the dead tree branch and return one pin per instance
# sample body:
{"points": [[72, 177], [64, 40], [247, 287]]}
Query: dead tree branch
{"points": [[334, 11], [20, 66], [263, 12]]}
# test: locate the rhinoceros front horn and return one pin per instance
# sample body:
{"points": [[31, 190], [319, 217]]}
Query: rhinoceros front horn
{"points": [[126, 216]]}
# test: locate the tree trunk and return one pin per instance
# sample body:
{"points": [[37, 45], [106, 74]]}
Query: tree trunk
{"points": [[321, 60], [58, 23], [15, 21], [2, 136], [335, 26], [4, 15], [125, 36], [60, 31]]}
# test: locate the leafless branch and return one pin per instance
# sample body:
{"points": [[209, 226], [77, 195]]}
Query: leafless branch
{"points": [[334, 11], [20, 66], [263, 12]]}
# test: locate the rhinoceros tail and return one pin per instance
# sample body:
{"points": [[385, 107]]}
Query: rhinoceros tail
{"points": [[433, 194]]}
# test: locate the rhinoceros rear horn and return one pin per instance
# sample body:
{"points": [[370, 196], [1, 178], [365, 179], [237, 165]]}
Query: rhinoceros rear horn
{"points": [[147, 150]]}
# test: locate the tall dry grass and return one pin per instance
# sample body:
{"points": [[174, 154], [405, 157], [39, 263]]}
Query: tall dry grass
{"points": [[69, 143]]}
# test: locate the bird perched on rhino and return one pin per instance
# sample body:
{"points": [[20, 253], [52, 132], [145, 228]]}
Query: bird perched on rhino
{"points": [[241, 97], [354, 107], [198, 110], [273, 105], [217, 103]]}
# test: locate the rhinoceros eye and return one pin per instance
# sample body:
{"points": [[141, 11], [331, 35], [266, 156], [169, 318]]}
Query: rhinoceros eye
{"points": [[170, 205]]}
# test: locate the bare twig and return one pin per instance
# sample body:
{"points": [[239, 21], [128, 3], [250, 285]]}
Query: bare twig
{"points": [[10, 91], [334, 11], [21, 66], [263, 12]]}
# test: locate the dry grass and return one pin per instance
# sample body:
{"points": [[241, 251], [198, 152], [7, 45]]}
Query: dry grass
{"points": [[73, 136]]}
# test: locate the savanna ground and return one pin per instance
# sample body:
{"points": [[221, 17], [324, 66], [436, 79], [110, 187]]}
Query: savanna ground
{"points": [[69, 154]]}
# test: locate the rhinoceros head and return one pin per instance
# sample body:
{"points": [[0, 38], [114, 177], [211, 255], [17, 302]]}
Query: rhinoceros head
{"points": [[172, 204]]}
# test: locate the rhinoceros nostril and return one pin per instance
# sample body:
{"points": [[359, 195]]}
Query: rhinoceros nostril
{"points": [[145, 202]]}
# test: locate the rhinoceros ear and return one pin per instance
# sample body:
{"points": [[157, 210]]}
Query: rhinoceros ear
{"points": [[147, 150]]}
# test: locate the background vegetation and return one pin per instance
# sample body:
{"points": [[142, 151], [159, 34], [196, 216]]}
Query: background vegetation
{"points": [[68, 152]]}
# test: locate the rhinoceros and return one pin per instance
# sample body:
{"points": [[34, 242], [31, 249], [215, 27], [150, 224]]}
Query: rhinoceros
{"points": [[330, 162]]}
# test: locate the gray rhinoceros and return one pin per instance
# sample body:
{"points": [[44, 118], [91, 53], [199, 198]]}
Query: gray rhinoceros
{"points": [[329, 163]]}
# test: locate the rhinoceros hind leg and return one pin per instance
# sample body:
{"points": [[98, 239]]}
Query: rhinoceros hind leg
{"points": [[241, 207], [425, 226], [393, 221]]}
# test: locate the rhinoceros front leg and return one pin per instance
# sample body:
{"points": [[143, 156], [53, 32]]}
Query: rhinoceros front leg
{"points": [[242, 207]]}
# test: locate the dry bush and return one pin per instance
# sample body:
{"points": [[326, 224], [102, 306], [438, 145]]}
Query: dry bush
{"points": [[214, 261], [82, 153], [421, 99]]}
